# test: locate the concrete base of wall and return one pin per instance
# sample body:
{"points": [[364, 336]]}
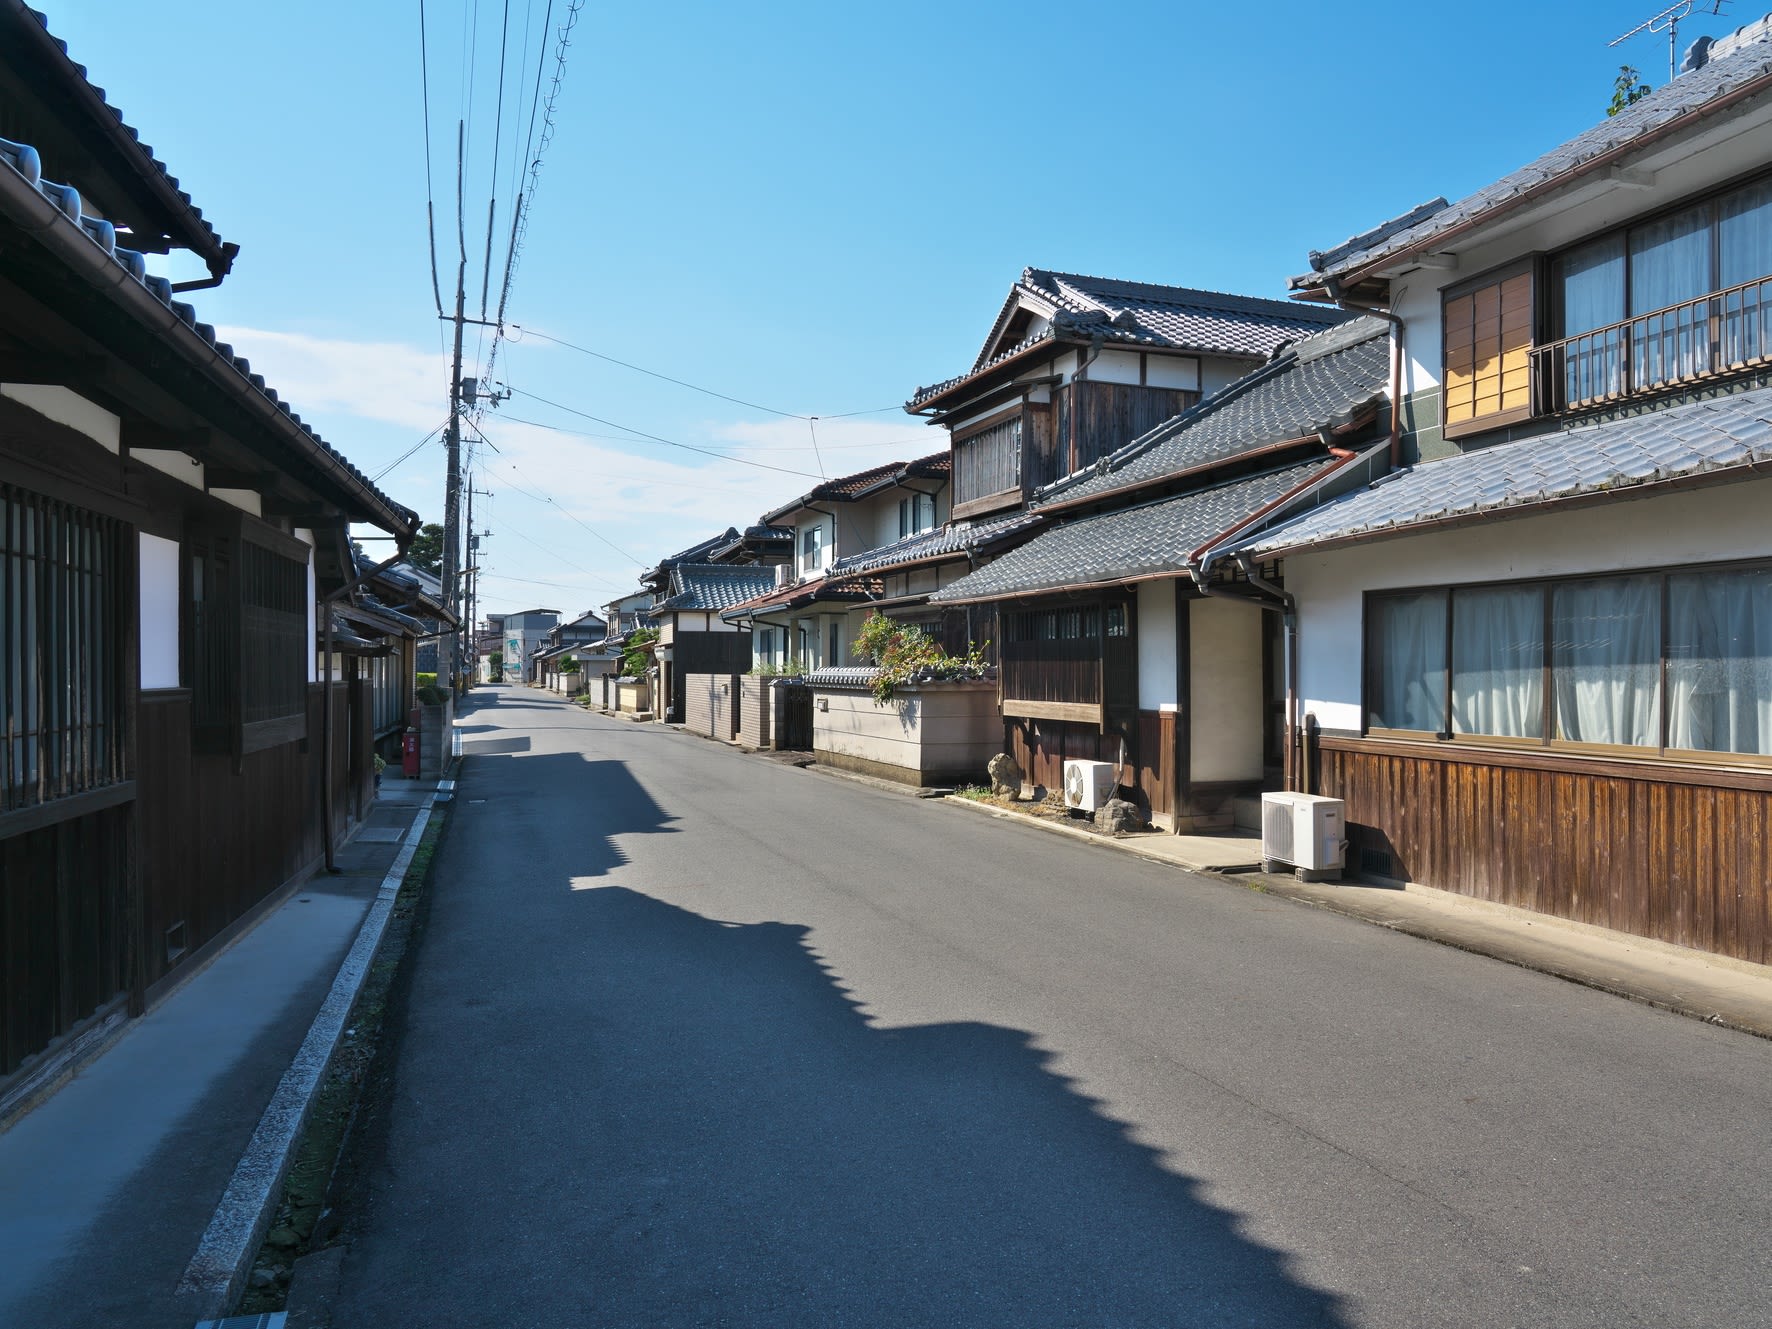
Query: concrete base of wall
{"points": [[904, 775]]}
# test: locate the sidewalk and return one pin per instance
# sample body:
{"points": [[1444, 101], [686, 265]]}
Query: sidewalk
{"points": [[1731, 993], [108, 1188]]}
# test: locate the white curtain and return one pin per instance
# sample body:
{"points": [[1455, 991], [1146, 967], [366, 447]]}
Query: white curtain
{"points": [[1409, 640], [1591, 280], [1719, 668], [1670, 262], [1498, 662], [1606, 661]]}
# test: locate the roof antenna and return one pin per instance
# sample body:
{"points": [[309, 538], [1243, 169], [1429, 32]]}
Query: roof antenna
{"points": [[1668, 21]]}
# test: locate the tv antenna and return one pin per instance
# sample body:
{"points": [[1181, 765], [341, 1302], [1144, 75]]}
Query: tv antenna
{"points": [[1668, 21]]}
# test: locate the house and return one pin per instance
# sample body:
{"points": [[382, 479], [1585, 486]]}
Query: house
{"points": [[693, 638], [809, 616], [1539, 655], [184, 730], [579, 641], [1116, 646], [403, 606], [523, 633]]}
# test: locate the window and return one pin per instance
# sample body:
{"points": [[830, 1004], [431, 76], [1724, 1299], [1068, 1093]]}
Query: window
{"points": [[1680, 296], [249, 637], [1676, 662], [1488, 348], [987, 460], [62, 630], [916, 514], [812, 549]]}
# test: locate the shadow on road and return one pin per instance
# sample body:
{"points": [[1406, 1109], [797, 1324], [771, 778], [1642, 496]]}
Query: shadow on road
{"points": [[739, 1145]]}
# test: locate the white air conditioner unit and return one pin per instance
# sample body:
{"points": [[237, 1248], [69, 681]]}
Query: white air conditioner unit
{"points": [[1088, 784], [1304, 831]]}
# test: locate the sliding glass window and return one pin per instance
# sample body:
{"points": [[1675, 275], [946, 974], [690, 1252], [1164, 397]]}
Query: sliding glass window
{"points": [[1677, 661]]}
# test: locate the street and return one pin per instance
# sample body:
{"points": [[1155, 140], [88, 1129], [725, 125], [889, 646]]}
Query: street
{"points": [[697, 1038]]}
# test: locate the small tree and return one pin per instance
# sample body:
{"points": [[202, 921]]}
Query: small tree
{"points": [[496, 663], [905, 652], [636, 657], [569, 664], [1627, 90], [426, 550]]}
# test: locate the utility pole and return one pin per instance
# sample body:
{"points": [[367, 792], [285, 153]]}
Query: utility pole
{"points": [[450, 666], [471, 571]]}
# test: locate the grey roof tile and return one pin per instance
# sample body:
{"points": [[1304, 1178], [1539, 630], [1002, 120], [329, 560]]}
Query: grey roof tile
{"points": [[1742, 60], [715, 586], [949, 539], [1512, 478], [1319, 382], [1130, 542], [1147, 314]]}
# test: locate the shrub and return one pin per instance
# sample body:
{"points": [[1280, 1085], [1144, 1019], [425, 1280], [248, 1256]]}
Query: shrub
{"points": [[636, 658], [432, 695], [426, 680], [905, 653], [569, 665]]}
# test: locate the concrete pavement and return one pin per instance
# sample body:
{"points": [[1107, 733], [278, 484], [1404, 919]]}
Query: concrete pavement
{"points": [[698, 1039], [108, 1187]]}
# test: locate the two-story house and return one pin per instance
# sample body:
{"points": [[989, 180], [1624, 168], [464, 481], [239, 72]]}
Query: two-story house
{"points": [[809, 617], [1540, 653], [183, 729]]}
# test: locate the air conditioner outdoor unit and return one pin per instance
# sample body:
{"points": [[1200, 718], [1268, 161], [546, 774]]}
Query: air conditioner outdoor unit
{"points": [[1304, 831], [1088, 784]]}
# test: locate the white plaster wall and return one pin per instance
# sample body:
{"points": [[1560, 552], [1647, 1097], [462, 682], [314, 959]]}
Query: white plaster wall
{"points": [[1173, 371], [247, 500], [1216, 373], [67, 407], [181, 467], [1115, 366], [159, 634], [307, 538], [946, 727], [1156, 645], [1224, 688], [1690, 527]]}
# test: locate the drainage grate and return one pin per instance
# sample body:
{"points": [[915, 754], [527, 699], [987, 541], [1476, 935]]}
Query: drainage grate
{"points": [[1378, 862]]}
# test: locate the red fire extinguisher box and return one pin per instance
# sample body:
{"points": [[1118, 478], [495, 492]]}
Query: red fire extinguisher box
{"points": [[409, 756]]}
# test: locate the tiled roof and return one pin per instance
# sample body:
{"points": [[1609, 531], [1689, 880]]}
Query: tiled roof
{"points": [[1320, 382], [696, 553], [1604, 459], [848, 488], [715, 585], [940, 542], [848, 590], [1735, 63], [1149, 540], [21, 160], [29, 39], [843, 676], [1146, 314]]}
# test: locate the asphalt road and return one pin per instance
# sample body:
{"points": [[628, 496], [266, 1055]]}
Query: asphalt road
{"points": [[696, 1038]]}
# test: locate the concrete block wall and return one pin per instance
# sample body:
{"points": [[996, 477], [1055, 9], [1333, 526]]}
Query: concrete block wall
{"points": [[711, 704], [936, 734], [756, 709]]}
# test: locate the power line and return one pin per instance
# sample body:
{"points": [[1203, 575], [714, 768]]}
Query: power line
{"points": [[693, 387], [406, 455], [498, 124], [668, 442], [548, 499], [430, 205], [797, 447]]}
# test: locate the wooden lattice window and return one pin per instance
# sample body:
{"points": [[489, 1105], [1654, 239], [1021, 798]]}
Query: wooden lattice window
{"points": [[1488, 331], [64, 638]]}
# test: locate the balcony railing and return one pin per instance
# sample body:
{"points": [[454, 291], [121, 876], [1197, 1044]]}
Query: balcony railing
{"points": [[1723, 332]]}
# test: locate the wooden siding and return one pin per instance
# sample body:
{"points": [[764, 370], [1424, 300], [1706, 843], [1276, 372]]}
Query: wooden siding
{"points": [[1680, 861], [64, 934], [988, 462], [215, 842], [1100, 417]]}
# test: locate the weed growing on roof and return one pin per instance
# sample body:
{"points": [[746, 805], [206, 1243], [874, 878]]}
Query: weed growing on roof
{"points": [[905, 654]]}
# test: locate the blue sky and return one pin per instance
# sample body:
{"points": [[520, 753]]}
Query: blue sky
{"points": [[815, 208]]}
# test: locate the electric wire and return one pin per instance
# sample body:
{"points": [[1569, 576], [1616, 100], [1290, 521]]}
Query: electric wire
{"points": [[796, 447], [548, 499], [430, 204], [404, 456], [693, 387], [668, 442], [498, 123]]}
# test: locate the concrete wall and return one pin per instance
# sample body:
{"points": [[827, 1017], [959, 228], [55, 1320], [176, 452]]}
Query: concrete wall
{"points": [[633, 695], [710, 704], [1224, 685], [940, 733], [159, 571], [1694, 526]]}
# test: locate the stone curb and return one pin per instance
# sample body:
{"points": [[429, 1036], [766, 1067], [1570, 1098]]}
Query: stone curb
{"points": [[216, 1275]]}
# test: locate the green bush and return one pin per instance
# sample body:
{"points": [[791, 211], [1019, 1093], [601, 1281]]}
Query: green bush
{"points": [[905, 653], [431, 695], [636, 659], [426, 681]]}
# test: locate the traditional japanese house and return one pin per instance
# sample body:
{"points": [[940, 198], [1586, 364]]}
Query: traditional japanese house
{"points": [[1116, 646], [177, 746], [1540, 654], [693, 638]]}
